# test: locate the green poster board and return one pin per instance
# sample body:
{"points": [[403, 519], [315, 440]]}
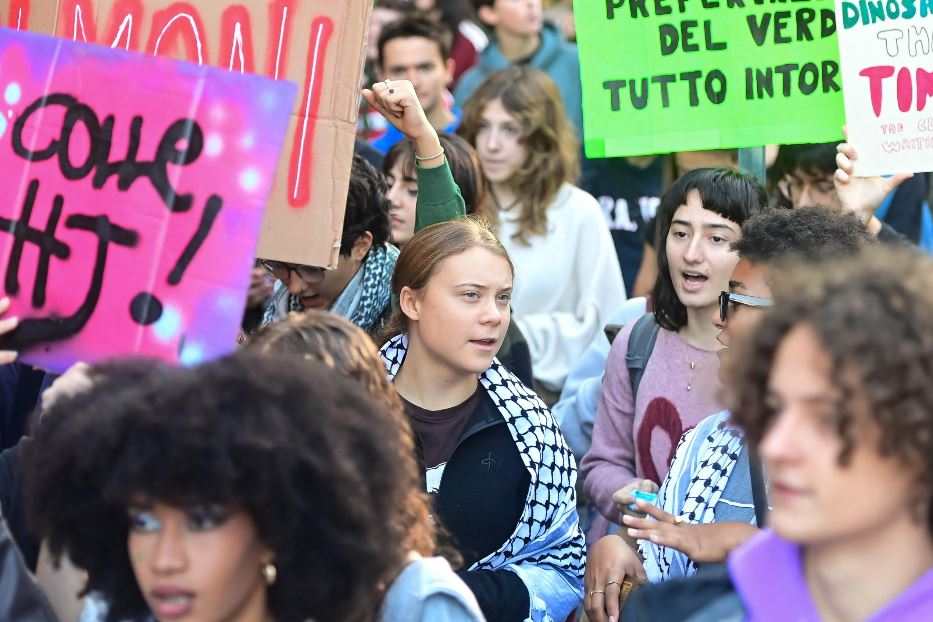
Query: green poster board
{"points": [[682, 75]]}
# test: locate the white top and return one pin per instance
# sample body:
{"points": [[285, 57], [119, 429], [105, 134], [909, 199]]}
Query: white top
{"points": [[567, 282], [427, 590]]}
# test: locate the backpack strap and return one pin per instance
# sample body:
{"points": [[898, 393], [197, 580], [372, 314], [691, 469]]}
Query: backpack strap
{"points": [[640, 344], [759, 492]]}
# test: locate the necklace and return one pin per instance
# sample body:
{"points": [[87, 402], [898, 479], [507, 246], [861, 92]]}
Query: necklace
{"points": [[693, 366], [499, 207]]}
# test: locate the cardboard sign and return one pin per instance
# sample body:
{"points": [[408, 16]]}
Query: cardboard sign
{"points": [[317, 43], [134, 190], [680, 75], [887, 71]]}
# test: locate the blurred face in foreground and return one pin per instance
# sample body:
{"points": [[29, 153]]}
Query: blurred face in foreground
{"points": [[202, 563], [816, 500]]}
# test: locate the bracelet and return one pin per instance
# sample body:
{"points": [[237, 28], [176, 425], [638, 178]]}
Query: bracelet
{"points": [[419, 158]]}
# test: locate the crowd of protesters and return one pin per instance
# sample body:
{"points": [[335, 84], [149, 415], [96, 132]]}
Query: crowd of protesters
{"points": [[533, 383]]}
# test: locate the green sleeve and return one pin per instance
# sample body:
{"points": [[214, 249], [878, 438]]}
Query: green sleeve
{"points": [[439, 198]]}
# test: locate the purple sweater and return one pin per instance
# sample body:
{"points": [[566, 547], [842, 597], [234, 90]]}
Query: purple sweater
{"points": [[768, 575], [637, 440]]}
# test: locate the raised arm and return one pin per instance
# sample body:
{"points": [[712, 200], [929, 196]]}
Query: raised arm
{"points": [[439, 198]]}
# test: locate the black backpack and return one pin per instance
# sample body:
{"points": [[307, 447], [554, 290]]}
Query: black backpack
{"points": [[640, 344]]}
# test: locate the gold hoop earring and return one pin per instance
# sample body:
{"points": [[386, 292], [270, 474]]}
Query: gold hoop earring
{"points": [[270, 573]]}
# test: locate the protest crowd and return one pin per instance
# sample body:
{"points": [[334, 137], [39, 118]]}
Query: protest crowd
{"points": [[533, 385]]}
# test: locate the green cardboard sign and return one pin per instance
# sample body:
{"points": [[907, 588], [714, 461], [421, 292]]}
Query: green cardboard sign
{"points": [[682, 75]]}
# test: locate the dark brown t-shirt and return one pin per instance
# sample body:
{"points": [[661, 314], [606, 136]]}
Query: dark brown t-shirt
{"points": [[439, 431]]}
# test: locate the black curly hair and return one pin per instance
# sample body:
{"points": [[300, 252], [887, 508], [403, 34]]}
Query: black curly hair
{"points": [[731, 194], [299, 447], [805, 234], [367, 206], [873, 316]]}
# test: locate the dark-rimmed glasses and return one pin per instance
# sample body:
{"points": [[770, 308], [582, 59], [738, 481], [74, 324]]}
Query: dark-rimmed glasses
{"points": [[282, 271], [730, 298]]}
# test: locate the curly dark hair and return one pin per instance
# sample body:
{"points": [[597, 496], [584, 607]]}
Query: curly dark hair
{"points": [[873, 315], [297, 446], [367, 206], [804, 234], [730, 194]]}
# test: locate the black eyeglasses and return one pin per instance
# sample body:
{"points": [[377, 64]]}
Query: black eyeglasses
{"points": [[729, 298], [282, 271]]}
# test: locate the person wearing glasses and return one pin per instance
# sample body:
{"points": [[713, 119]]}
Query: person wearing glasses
{"points": [[359, 288], [895, 208], [638, 423], [705, 505], [833, 392]]}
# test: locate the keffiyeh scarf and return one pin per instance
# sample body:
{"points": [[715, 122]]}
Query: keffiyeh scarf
{"points": [[546, 550], [363, 302]]}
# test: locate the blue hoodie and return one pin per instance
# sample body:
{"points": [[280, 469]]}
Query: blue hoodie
{"points": [[555, 57]]}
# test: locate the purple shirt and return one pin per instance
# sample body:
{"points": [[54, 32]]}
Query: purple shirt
{"points": [[767, 572]]}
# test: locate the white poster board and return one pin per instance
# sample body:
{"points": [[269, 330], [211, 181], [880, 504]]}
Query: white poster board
{"points": [[886, 53]]}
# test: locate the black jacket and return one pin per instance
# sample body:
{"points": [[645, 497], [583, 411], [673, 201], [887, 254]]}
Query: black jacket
{"points": [[480, 501], [13, 506], [708, 595], [20, 597]]}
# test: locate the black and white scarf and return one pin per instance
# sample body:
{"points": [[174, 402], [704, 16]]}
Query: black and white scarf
{"points": [[376, 294], [546, 550]]}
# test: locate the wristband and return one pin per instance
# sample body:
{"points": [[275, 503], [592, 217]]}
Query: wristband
{"points": [[419, 158]]}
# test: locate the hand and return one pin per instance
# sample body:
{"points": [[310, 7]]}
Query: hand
{"points": [[76, 380], [260, 288], [609, 559], [397, 102], [623, 497], [6, 326], [862, 195], [700, 542]]}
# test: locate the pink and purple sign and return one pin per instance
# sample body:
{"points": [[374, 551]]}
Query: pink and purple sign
{"points": [[134, 190]]}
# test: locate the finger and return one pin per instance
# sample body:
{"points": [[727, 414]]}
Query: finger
{"points": [[843, 162], [378, 103], [848, 150], [612, 599], [841, 176], [639, 523], [7, 356], [896, 180], [652, 510], [646, 485], [8, 324], [622, 496], [595, 606], [399, 100]]}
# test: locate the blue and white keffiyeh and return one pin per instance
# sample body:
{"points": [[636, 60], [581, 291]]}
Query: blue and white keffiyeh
{"points": [[546, 550]]}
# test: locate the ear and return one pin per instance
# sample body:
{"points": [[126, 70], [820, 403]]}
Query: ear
{"points": [[450, 66], [487, 15], [409, 304], [361, 246]]}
